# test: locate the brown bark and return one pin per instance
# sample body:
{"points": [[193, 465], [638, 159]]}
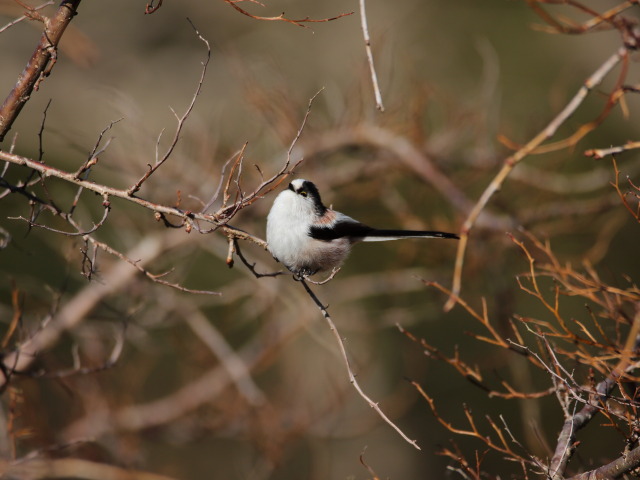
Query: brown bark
{"points": [[39, 64]]}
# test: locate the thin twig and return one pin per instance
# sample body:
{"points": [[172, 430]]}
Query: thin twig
{"points": [[234, 247], [617, 469], [603, 152], [214, 197], [267, 186], [154, 277], [151, 8], [299, 22], [47, 170], [77, 308], [510, 162], [79, 232], [39, 65], [345, 358], [24, 17], [365, 465], [77, 369], [181, 120], [367, 46]]}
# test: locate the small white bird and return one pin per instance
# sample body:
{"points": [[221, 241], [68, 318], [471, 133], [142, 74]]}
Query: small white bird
{"points": [[308, 237]]}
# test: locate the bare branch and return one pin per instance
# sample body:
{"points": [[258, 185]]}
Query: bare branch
{"points": [[151, 8], [153, 277], [299, 22], [365, 465], [49, 171], [39, 65], [604, 152], [510, 162], [367, 46], [617, 469], [623, 196], [345, 358], [78, 369], [235, 248], [181, 120], [79, 232], [75, 310], [26, 16]]}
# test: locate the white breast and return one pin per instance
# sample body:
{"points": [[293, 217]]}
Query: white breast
{"points": [[287, 228]]}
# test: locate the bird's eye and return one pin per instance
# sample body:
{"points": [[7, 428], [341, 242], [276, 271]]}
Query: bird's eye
{"points": [[303, 193]]}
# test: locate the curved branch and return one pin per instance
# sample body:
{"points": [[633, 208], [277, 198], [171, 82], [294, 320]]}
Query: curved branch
{"points": [[352, 377], [616, 469], [75, 310], [299, 22], [181, 120], [510, 163]]}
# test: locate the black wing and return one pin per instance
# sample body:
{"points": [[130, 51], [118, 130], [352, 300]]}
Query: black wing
{"points": [[341, 229]]}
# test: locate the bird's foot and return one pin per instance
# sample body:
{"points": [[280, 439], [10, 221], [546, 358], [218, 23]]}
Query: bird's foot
{"points": [[303, 274], [334, 272]]}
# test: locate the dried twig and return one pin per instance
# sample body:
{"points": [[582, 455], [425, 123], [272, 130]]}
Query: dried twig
{"points": [[604, 152], [623, 196], [39, 65], [580, 401], [234, 247], [151, 8], [509, 163], [181, 120], [47, 170], [78, 369], [501, 445], [299, 22], [617, 469], [76, 309], [367, 46], [365, 465], [345, 358], [563, 25], [26, 16], [157, 278]]}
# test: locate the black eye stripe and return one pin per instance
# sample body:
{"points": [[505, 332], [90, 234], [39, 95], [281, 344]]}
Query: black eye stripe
{"points": [[308, 190]]}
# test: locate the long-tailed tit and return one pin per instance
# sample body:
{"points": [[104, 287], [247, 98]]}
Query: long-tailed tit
{"points": [[308, 237]]}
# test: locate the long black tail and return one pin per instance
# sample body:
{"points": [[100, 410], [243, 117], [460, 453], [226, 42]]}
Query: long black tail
{"points": [[359, 232], [382, 235]]}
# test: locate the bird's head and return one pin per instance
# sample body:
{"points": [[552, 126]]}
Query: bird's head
{"points": [[304, 195]]}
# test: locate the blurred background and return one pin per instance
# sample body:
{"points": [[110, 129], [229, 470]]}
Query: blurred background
{"points": [[249, 384]]}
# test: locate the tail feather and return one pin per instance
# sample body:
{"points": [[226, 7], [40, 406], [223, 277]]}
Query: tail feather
{"points": [[385, 235], [358, 232]]}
